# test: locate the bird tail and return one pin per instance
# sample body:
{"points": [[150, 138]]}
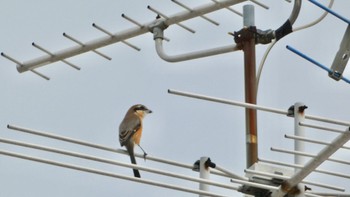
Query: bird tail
{"points": [[133, 160]]}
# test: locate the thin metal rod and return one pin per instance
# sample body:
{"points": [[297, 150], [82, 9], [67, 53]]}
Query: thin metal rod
{"points": [[314, 62], [11, 59], [230, 9], [104, 173], [49, 53], [113, 162], [189, 9], [226, 101], [308, 58], [112, 35], [232, 175], [311, 140], [102, 29], [123, 35], [252, 106], [326, 186], [260, 4], [40, 74], [325, 194], [70, 64], [139, 24], [166, 17], [327, 120], [308, 194], [330, 11], [321, 127], [301, 167], [88, 144], [235, 11], [315, 162], [132, 20], [19, 64], [83, 45], [286, 177], [97, 146], [192, 55], [258, 185], [307, 155]]}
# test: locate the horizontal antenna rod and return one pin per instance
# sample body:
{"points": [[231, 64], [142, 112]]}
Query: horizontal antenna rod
{"points": [[308, 155], [346, 176], [314, 163], [97, 146], [109, 174], [286, 177], [114, 162], [252, 106], [312, 140]]}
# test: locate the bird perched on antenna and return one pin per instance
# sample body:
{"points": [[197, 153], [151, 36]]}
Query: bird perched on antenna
{"points": [[130, 131]]}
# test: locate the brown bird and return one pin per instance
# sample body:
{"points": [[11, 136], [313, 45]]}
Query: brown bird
{"points": [[130, 131]]}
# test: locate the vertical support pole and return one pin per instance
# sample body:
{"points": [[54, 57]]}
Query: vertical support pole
{"points": [[299, 116], [204, 173], [299, 145], [248, 45]]}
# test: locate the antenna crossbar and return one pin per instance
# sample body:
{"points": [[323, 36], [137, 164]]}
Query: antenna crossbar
{"points": [[121, 36]]}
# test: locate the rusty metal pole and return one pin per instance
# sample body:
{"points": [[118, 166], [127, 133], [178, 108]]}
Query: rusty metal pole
{"points": [[248, 44]]}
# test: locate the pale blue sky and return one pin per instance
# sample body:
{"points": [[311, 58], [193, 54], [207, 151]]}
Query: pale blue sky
{"points": [[89, 104]]}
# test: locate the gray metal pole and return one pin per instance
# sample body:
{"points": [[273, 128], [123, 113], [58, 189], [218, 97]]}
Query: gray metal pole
{"points": [[248, 45], [204, 173], [299, 116]]}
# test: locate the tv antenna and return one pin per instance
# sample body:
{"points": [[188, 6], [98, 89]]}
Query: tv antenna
{"points": [[263, 177]]}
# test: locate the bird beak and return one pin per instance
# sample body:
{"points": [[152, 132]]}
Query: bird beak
{"points": [[149, 111]]}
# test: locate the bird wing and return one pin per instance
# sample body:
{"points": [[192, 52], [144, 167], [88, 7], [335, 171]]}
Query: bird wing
{"points": [[127, 129]]}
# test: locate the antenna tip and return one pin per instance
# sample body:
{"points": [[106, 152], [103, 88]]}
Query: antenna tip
{"points": [[123, 15], [8, 126], [2, 53], [33, 43], [93, 24], [64, 34]]}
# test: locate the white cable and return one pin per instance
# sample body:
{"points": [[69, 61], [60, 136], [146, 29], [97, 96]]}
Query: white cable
{"points": [[263, 59]]}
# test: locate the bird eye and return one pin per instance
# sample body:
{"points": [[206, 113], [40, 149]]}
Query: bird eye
{"points": [[140, 107]]}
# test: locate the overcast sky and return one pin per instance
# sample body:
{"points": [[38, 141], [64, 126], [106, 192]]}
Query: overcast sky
{"points": [[89, 104]]}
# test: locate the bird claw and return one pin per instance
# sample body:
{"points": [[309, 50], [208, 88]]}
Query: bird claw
{"points": [[144, 156]]}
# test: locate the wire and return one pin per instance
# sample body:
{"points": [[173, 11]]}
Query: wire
{"points": [[263, 59]]}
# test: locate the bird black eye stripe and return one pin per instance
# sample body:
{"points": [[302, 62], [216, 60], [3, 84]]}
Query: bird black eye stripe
{"points": [[140, 107]]}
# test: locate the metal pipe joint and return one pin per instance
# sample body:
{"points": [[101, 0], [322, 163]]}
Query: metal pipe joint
{"points": [[157, 28]]}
